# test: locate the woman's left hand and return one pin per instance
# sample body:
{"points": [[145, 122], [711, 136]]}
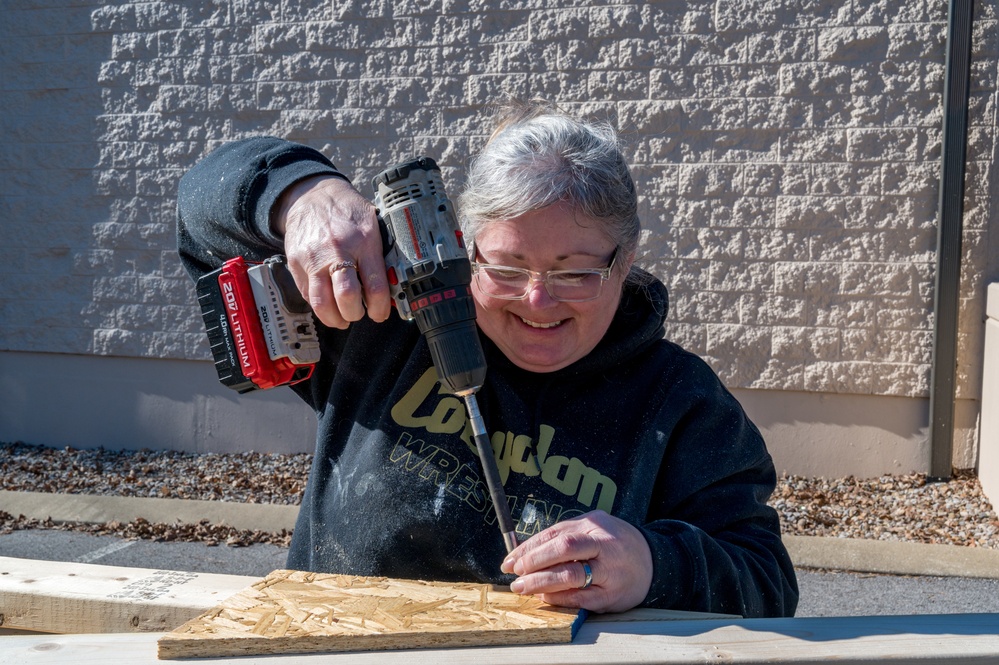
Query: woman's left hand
{"points": [[550, 565]]}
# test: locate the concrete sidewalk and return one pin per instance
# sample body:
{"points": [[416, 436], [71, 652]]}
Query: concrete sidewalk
{"points": [[873, 556]]}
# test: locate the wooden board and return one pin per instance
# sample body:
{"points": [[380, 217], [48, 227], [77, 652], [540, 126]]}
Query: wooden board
{"points": [[63, 597], [950, 639], [298, 612]]}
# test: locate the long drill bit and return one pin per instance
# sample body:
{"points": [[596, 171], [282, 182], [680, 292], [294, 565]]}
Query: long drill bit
{"points": [[496, 492]]}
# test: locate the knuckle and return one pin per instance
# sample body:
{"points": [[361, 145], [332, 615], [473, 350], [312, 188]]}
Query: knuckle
{"points": [[574, 541], [376, 283], [567, 578]]}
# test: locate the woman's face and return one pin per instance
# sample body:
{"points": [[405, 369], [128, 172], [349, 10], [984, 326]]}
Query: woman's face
{"points": [[539, 333]]}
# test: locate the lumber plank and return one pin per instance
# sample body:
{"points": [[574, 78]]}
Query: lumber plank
{"points": [[939, 639], [61, 597], [300, 612], [74, 598]]}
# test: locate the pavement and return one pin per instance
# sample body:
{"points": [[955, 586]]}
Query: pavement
{"points": [[836, 576]]}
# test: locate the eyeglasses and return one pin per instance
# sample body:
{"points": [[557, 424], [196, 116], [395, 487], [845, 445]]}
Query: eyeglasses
{"points": [[564, 285]]}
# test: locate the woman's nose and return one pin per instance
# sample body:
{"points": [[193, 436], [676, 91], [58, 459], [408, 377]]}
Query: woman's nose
{"points": [[537, 294]]}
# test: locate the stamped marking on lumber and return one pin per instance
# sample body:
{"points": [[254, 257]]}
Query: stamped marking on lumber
{"points": [[156, 585], [299, 612]]}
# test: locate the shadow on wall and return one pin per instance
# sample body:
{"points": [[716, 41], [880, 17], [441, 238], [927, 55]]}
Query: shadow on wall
{"points": [[82, 401], [832, 436]]}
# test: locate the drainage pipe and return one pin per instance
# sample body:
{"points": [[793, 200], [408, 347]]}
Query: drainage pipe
{"points": [[949, 229]]}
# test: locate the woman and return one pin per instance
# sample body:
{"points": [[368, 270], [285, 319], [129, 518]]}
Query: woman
{"points": [[633, 476]]}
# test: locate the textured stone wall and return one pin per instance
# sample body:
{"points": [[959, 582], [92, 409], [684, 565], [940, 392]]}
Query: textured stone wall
{"points": [[787, 154]]}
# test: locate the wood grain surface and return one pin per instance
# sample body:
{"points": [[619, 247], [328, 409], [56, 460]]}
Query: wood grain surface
{"points": [[69, 597], [299, 612]]}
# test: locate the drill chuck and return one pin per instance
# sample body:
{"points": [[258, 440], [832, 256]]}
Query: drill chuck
{"points": [[457, 356]]}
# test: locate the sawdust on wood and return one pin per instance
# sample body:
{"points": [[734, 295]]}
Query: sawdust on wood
{"points": [[300, 612]]}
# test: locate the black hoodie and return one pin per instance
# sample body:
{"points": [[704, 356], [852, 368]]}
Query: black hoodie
{"points": [[638, 428]]}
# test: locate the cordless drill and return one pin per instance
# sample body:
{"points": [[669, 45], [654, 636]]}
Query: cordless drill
{"points": [[429, 272], [429, 276]]}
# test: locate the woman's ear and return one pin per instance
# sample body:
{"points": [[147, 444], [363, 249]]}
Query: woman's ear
{"points": [[626, 262]]}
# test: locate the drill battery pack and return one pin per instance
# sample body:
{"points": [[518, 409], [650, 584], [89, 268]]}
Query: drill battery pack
{"points": [[260, 329]]}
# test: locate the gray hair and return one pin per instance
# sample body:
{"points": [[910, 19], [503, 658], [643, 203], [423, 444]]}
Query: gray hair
{"points": [[539, 156]]}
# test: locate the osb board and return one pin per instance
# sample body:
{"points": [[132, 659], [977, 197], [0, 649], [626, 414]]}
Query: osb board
{"points": [[299, 612]]}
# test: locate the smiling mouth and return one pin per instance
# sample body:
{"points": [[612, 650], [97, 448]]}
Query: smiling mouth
{"points": [[543, 326]]}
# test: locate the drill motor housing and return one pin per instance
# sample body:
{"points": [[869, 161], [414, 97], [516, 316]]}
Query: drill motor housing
{"points": [[429, 272], [262, 333]]}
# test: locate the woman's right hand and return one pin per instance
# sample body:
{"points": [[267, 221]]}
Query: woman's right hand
{"points": [[326, 223]]}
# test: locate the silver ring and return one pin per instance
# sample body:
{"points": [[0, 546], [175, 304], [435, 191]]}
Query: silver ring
{"points": [[342, 265], [588, 573]]}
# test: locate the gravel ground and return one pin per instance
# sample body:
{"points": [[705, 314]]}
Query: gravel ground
{"points": [[905, 508]]}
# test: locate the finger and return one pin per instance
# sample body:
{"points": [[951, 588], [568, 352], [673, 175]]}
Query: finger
{"points": [[378, 302], [593, 599], [323, 302], [347, 290], [558, 544], [562, 577]]}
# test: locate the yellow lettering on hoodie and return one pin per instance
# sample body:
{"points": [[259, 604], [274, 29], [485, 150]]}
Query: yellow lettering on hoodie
{"points": [[515, 453]]}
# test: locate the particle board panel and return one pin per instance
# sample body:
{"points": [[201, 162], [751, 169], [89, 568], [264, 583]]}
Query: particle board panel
{"points": [[300, 612]]}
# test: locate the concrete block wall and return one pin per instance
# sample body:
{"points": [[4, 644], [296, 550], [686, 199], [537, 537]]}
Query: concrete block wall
{"points": [[988, 467], [787, 155]]}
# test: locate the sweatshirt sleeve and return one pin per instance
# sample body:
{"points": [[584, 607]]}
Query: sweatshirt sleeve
{"points": [[716, 544], [224, 202]]}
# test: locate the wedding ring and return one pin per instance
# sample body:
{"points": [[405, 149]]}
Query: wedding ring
{"points": [[342, 265], [588, 573]]}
